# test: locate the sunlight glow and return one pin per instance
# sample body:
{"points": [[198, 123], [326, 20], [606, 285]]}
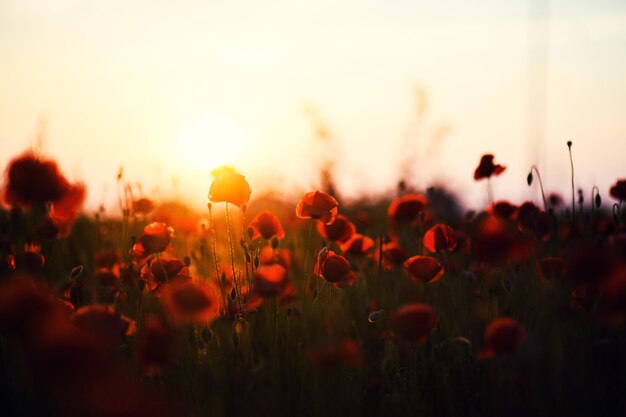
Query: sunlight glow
{"points": [[211, 140]]}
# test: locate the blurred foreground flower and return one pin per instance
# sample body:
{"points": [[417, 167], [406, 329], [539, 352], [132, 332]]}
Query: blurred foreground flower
{"points": [[230, 187], [317, 205]]}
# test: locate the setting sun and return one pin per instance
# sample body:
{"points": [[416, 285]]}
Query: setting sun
{"points": [[211, 140]]}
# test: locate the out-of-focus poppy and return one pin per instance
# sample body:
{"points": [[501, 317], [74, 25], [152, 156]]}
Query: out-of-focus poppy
{"points": [[495, 240], [423, 268], [340, 230], [584, 296], [32, 180], [550, 268], [503, 336], [104, 322], [163, 269], [330, 357], [357, 245], [555, 200], [486, 168], [269, 280], [414, 322], [107, 258], [190, 302], [156, 347], [180, 217], [503, 209], [335, 269], [394, 254], [266, 225], [317, 205], [105, 277], [29, 261], [143, 206], [535, 221], [66, 209], [587, 263], [269, 256], [618, 190], [230, 187], [155, 238], [406, 208], [440, 238]]}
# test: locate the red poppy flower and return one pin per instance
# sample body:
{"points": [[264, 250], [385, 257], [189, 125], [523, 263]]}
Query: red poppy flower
{"points": [[335, 269], [156, 346], [230, 187], [440, 238], [423, 268], [340, 230], [270, 280], [266, 225], [503, 336], [143, 206], [618, 190], [31, 262], [104, 322], [586, 263], [155, 238], [486, 168], [551, 268], [495, 240], [317, 205], [503, 210], [535, 221], [190, 302], [32, 180], [162, 270], [269, 256], [330, 357], [357, 245], [611, 309], [394, 253], [105, 277], [406, 208], [414, 322], [66, 209]]}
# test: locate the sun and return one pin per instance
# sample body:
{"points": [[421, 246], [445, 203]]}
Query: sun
{"points": [[212, 140]]}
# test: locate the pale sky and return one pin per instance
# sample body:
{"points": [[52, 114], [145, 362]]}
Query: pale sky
{"points": [[172, 89]]}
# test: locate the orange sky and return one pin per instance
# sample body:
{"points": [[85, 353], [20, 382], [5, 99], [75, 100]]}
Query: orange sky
{"points": [[170, 90]]}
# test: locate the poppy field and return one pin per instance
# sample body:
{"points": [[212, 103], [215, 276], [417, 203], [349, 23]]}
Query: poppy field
{"points": [[404, 305]]}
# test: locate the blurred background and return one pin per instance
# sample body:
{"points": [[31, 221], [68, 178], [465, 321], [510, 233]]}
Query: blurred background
{"points": [[374, 91]]}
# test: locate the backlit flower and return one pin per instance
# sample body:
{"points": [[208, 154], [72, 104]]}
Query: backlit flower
{"points": [[414, 322], [486, 168], [503, 336], [266, 225], [190, 302], [317, 205], [423, 268], [230, 187], [440, 238], [340, 230], [335, 269], [406, 208], [156, 237]]}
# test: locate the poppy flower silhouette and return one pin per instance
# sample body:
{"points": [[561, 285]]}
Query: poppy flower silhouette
{"points": [[230, 187], [335, 269], [414, 322], [486, 168], [317, 205], [266, 225]]}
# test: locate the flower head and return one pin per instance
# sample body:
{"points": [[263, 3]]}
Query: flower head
{"points": [[486, 168], [317, 205], [230, 187]]}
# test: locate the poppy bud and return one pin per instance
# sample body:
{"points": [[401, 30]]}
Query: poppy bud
{"points": [[529, 178], [187, 261], [250, 232], [598, 201], [233, 294], [76, 272], [373, 317], [248, 260], [256, 261], [569, 143], [209, 206], [274, 242]]}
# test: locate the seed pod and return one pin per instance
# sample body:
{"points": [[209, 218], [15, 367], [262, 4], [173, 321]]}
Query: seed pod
{"points": [[529, 178], [598, 201], [76, 272]]}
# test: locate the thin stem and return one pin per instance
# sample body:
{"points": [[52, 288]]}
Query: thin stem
{"points": [[543, 195], [571, 162], [217, 269], [232, 257], [489, 191]]}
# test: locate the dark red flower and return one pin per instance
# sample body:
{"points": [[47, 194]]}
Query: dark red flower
{"points": [[423, 268], [394, 253], [230, 187], [440, 238], [156, 347], [32, 180], [104, 322], [340, 230], [503, 210], [143, 206], [414, 322], [329, 357], [270, 280], [618, 190], [503, 336], [534, 221], [269, 256], [266, 225], [155, 238], [335, 269], [357, 245], [317, 205], [406, 208], [190, 302], [486, 168], [611, 308], [66, 209], [162, 270], [495, 240]]}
